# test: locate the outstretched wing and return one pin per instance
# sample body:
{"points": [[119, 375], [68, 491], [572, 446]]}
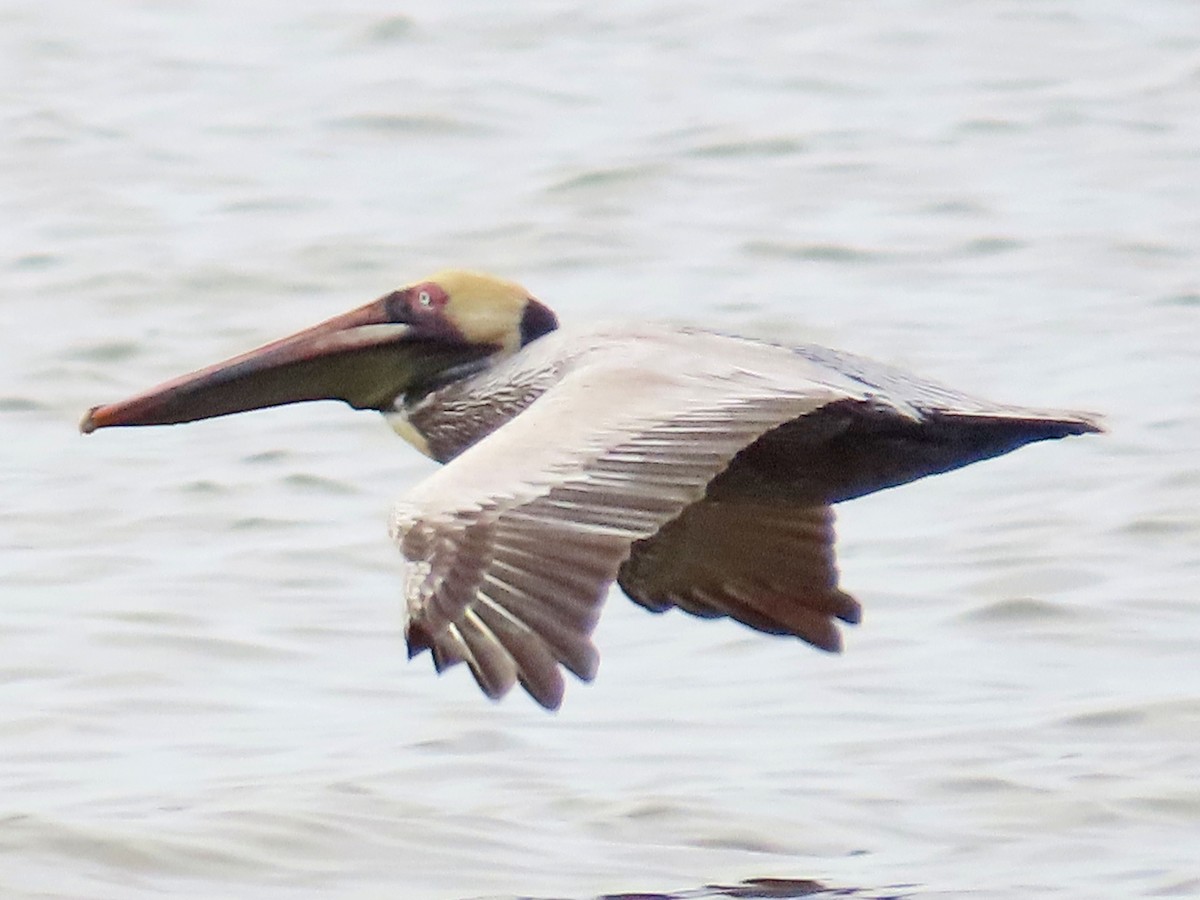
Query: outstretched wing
{"points": [[768, 565], [514, 544]]}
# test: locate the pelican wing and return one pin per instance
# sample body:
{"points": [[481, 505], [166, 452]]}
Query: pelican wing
{"points": [[514, 544], [769, 566]]}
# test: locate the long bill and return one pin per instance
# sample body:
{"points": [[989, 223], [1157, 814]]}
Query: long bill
{"points": [[361, 357]]}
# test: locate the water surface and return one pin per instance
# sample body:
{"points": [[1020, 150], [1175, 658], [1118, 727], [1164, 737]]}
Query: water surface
{"points": [[204, 686]]}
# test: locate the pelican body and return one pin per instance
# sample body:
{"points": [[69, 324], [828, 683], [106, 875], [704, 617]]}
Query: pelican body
{"points": [[694, 469]]}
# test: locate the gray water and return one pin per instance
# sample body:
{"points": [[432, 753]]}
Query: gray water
{"points": [[203, 689]]}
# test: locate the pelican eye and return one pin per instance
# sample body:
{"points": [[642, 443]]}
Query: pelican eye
{"points": [[425, 299]]}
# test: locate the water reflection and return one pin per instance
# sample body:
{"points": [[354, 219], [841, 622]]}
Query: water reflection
{"points": [[752, 889]]}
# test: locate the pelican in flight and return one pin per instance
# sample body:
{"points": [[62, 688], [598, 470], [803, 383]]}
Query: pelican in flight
{"points": [[694, 469]]}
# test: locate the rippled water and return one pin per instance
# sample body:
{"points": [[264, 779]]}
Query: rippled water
{"points": [[204, 690]]}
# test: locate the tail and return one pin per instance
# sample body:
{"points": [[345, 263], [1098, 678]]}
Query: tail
{"points": [[850, 448]]}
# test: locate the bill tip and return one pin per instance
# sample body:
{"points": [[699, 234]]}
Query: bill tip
{"points": [[88, 423]]}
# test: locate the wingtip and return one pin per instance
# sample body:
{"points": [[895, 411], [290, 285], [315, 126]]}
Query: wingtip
{"points": [[548, 697], [846, 607], [417, 638], [1080, 423], [830, 641]]}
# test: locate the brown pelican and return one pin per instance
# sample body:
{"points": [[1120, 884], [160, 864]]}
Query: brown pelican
{"points": [[695, 469]]}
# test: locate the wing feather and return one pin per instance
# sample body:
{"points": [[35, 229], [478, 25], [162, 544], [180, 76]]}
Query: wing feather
{"points": [[536, 666], [492, 665], [770, 567], [568, 642]]}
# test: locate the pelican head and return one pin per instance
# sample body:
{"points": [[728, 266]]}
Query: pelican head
{"points": [[405, 341]]}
